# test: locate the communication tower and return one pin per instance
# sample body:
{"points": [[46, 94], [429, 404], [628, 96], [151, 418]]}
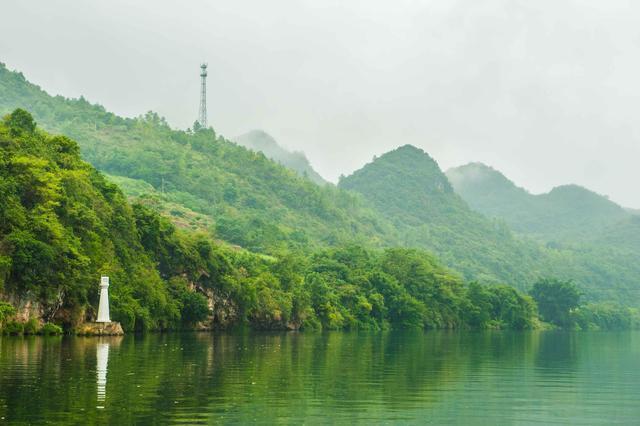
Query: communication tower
{"points": [[202, 116]]}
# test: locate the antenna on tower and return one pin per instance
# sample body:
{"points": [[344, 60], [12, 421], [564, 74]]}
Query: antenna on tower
{"points": [[202, 116]]}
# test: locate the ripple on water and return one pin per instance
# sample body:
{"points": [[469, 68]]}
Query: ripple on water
{"points": [[405, 377]]}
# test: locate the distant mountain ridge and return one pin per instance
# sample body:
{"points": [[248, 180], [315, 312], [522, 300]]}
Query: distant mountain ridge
{"points": [[255, 202], [568, 212], [261, 141], [401, 198], [408, 188]]}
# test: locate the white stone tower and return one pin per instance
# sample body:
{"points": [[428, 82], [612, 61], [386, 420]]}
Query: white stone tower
{"points": [[103, 307]]}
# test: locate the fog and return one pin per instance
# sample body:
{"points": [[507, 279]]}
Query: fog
{"points": [[546, 92]]}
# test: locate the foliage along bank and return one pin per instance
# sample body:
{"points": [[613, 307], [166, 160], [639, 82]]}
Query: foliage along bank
{"points": [[62, 225], [404, 199]]}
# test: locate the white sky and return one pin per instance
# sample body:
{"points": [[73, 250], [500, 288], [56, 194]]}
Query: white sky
{"points": [[546, 91]]}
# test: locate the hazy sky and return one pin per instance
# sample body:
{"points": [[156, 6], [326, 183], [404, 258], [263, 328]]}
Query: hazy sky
{"points": [[548, 92]]}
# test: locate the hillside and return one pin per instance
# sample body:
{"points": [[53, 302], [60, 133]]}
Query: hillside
{"points": [[409, 189], [624, 234], [260, 141], [205, 182], [567, 213], [62, 226], [254, 202]]}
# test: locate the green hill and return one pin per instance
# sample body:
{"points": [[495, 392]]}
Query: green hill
{"points": [[567, 213], [204, 182], [63, 225], [409, 189], [260, 141], [254, 202], [624, 234]]}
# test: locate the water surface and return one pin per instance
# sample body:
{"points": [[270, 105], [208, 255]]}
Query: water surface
{"points": [[393, 377]]}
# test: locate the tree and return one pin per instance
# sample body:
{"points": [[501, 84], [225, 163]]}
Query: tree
{"points": [[555, 300], [20, 121]]}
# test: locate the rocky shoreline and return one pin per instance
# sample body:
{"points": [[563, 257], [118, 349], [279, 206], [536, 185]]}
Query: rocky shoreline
{"points": [[99, 329]]}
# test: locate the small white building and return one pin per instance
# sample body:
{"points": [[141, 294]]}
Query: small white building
{"points": [[103, 307]]}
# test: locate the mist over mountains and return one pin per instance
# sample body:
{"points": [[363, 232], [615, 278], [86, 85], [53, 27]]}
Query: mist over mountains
{"points": [[264, 199], [261, 141], [568, 212]]}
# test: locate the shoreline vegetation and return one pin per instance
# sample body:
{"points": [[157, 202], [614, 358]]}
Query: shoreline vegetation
{"points": [[205, 183], [62, 224]]}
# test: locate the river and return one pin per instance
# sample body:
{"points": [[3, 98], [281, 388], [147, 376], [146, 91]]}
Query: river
{"points": [[431, 377]]}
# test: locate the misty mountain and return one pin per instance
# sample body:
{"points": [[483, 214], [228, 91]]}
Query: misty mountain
{"points": [[261, 141], [566, 213], [255, 202], [624, 234], [401, 198], [408, 188]]}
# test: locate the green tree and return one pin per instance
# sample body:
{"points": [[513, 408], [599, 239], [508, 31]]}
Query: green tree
{"points": [[556, 299], [20, 121]]}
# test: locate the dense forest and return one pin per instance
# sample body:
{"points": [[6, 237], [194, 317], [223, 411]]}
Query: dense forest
{"points": [[408, 188], [62, 224], [245, 203]]}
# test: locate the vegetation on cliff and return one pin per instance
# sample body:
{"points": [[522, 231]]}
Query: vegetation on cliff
{"points": [[62, 225], [232, 197]]}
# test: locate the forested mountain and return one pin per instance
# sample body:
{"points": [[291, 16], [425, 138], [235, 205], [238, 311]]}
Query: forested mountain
{"points": [[567, 213], [408, 188], [62, 225], [624, 234], [255, 202], [260, 141], [205, 182]]}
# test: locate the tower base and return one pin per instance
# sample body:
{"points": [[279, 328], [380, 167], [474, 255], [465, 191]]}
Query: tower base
{"points": [[100, 329]]}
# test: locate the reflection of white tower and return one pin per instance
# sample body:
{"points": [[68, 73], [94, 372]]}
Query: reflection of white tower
{"points": [[102, 358], [103, 307]]}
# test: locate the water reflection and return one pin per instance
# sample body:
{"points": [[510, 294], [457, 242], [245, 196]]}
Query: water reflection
{"points": [[442, 377], [102, 364], [102, 360]]}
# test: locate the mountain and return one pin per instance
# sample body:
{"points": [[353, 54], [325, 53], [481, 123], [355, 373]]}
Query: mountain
{"points": [[566, 213], [205, 182], [260, 141], [623, 234], [408, 188], [63, 225], [253, 201]]}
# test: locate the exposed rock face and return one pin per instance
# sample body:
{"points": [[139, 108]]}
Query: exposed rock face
{"points": [[100, 329], [224, 313], [26, 307]]}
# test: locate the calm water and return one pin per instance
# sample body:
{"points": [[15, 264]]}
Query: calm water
{"points": [[395, 377]]}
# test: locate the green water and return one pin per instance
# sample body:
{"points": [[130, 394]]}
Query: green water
{"points": [[395, 377]]}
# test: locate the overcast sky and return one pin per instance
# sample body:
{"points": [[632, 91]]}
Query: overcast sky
{"points": [[548, 92]]}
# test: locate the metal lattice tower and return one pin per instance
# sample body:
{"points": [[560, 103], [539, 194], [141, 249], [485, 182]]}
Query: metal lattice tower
{"points": [[202, 116]]}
